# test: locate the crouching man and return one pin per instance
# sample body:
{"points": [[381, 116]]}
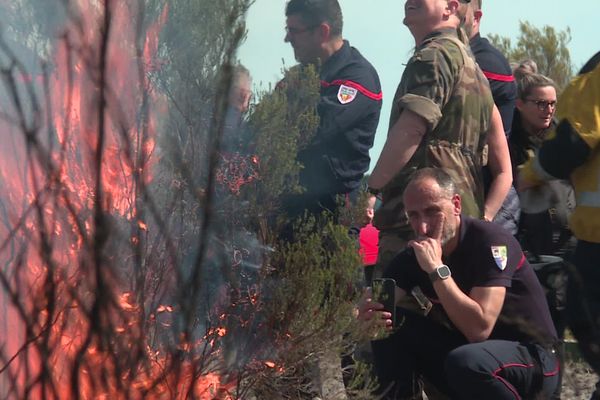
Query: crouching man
{"points": [[487, 331]]}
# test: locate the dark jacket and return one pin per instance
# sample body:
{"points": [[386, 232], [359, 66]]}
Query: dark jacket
{"points": [[338, 156], [496, 69]]}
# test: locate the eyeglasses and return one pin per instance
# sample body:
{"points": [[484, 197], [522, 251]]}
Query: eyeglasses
{"points": [[297, 31], [543, 104]]}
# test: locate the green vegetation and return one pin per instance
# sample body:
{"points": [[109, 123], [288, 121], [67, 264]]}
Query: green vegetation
{"points": [[546, 46]]}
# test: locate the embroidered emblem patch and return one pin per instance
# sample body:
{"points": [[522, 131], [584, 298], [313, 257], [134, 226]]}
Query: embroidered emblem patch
{"points": [[346, 94], [500, 254]]}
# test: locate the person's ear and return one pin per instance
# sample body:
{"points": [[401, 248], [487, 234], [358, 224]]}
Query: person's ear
{"points": [[324, 31], [453, 6], [456, 203], [519, 104], [477, 16]]}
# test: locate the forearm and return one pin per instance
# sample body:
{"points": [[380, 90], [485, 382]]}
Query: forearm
{"points": [[468, 315], [402, 142], [500, 167], [497, 192]]}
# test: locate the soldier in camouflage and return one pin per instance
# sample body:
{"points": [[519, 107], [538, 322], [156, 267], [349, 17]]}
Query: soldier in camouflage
{"points": [[440, 117]]}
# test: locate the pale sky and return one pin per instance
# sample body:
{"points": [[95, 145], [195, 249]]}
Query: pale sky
{"points": [[375, 28]]}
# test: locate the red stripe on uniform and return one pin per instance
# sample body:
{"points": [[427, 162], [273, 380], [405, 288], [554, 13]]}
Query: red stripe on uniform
{"points": [[499, 77], [509, 386], [521, 262], [556, 370], [357, 86]]}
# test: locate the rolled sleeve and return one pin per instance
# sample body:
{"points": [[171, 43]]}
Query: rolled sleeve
{"points": [[430, 83], [422, 106]]}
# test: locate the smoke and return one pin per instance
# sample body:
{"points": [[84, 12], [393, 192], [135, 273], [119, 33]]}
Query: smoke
{"points": [[105, 178]]}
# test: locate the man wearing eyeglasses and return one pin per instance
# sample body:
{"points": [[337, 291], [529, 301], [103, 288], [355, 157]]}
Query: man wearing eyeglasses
{"points": [[338, 156]]}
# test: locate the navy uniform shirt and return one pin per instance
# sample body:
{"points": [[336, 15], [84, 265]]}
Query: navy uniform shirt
{"points": [[486, 256], [338, 156], [496, 69]]}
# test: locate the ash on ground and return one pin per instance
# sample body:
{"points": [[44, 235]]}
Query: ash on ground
{"points": [[579, 381]]}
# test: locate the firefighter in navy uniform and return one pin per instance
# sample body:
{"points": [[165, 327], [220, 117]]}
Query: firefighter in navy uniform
{"points": [[338, 156], [489, 334], [497, 70], [573, 152]]}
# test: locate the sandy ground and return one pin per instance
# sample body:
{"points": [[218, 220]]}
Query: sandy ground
{"points": [[579, 381]]}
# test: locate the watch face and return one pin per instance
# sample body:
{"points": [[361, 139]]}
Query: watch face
{"points": [[440, 273], [443, 271]]}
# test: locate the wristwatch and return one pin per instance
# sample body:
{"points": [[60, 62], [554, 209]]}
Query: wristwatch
{"points": [[442, 272]]}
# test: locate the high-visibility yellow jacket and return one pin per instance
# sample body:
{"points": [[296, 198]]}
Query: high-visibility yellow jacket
{"points": [[573, 152]]}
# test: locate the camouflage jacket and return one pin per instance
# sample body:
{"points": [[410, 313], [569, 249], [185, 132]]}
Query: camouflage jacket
{"points": [[443, 84]]}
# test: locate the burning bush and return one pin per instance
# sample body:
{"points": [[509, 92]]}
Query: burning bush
{"points": [[138, 260]]}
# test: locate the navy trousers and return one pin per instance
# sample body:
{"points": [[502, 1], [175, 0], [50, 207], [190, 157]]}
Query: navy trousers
{"points": [[493, 369]]}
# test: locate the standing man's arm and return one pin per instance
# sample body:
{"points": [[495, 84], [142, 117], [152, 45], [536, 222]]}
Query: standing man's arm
{"points": [[349, 118], [500, 166], [338, 154], [429, 81], [402, 142]]}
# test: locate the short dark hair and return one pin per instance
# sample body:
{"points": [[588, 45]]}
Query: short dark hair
{"points": [[439, 175], [315, 12]]}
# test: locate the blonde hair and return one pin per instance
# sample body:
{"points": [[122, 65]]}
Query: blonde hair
{"points": [[528, 82], [523, 68]]}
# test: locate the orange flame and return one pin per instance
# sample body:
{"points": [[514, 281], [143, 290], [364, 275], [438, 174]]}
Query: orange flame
{"points": [[69, 173], [69, 219]]}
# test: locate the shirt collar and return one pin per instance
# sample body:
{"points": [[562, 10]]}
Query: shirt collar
{"points": [[476, 38], [336, 58], [462, 232], [438, 33]]}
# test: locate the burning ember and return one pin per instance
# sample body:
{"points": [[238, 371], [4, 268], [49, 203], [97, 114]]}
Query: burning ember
{"points": [[237, 170]]}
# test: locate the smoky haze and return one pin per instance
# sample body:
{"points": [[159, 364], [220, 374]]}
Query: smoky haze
{"points": [[110, 117], [140, 210]]}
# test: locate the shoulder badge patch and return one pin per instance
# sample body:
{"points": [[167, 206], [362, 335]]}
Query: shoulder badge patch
{"points": [[500, 254], [346, 94]]}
